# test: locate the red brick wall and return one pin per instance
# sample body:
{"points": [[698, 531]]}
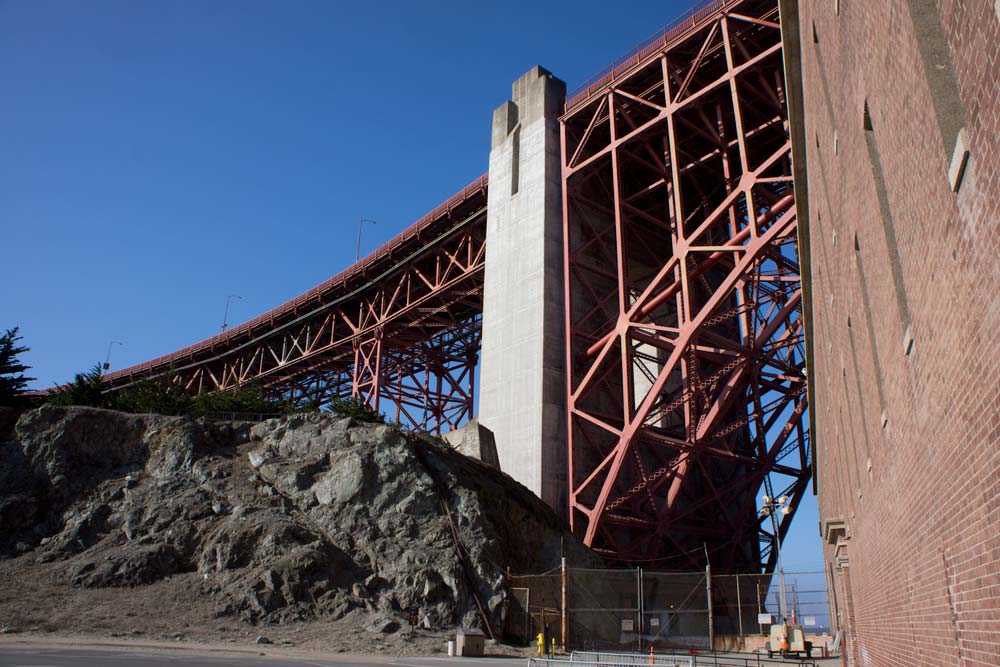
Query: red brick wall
{"points": [[923, 522]]}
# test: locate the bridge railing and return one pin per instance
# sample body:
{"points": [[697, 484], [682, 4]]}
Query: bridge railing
{"points": [[672, 31], [291, 306]]}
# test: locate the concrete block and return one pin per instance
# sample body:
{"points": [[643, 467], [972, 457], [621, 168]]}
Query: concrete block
{"points": [[475, 440]]}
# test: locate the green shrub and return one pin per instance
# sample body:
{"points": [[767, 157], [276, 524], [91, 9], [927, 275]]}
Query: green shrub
{"points": [[157, 395], [356, 409], [85, 389], [248, 399], [166, 395]]}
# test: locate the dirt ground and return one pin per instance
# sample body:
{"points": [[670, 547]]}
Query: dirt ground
{"points": [[173, 610]]}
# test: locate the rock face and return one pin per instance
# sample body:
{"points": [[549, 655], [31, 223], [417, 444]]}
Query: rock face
{"points": [[290, 519]]}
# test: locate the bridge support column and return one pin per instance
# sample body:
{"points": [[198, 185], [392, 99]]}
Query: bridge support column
{"points": [[523, 385]]}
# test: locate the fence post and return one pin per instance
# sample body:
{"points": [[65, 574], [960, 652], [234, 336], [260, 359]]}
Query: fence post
{"points": [[638, 573], [565, 625], [711, 616], [528, 625], [739, 605], [760, 608]]}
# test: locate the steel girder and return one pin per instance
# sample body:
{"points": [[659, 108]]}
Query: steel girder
{"points": [[400, 330], [686, 392]]}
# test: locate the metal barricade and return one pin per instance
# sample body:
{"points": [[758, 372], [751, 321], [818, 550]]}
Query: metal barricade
{"points": [[590, 658], [570, 662], [691, 659]]}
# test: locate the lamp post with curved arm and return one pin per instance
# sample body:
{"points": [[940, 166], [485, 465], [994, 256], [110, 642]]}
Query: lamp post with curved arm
{"points": [[361, 224], [107, 358], [225, 315]]}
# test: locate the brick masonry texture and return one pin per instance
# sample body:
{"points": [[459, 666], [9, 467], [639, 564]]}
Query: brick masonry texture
{"points": [[908, 445]]}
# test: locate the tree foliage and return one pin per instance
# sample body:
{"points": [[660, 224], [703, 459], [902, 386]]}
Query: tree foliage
{"points": [[157, 395], [13, 381], [248, 398], [356, 409], [85, 389], [167, 395]]}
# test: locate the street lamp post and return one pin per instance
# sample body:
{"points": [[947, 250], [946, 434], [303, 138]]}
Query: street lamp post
{"points": [[225, 315], [361, 224], [107, 358], [769, 508]]}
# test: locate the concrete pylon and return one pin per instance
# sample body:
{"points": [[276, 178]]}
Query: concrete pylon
{"points": [[523, 385]]}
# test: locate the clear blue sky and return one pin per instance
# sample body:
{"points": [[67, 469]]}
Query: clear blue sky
{"points": [[158, 156]]}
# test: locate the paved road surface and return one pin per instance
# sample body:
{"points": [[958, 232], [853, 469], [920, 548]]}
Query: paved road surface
{"points": [[62, 656]]}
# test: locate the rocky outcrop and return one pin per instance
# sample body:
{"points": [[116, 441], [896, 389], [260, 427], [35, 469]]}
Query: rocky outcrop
{"points": [[294, 518]]}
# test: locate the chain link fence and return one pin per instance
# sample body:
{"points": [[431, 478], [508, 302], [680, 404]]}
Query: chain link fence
{"points": [[632, 610]]}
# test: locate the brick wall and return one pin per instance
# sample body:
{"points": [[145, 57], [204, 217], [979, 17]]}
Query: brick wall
{"points": [[906, 321]]}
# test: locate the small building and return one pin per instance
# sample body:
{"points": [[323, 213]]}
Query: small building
{"points": [[470, 642]]}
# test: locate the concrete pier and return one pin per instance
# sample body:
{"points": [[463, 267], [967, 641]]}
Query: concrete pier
{"points": [[522, 399]]}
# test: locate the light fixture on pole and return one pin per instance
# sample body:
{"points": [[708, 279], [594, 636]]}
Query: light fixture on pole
{"points": [[107, 358], [225, 315], [769, 507], [361, 224]]}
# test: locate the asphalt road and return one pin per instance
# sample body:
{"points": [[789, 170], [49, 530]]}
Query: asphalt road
{"points": [[40, 656]]}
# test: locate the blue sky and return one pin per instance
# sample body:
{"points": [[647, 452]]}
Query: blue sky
{"points": [[157, 157]]}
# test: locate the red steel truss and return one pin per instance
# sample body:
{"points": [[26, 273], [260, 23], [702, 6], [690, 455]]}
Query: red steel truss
{"points": [[687, 390], [400, 330]]}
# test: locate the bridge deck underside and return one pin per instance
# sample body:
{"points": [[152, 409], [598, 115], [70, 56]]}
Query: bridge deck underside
{"points": [[400, 332], [686, 395], [686, 392]]}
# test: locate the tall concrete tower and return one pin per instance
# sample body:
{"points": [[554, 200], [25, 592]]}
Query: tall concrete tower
{"points": [[523, 354]]}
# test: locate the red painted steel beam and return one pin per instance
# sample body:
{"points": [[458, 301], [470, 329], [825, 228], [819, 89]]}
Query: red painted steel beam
{"points": [[686, 391], [359, 333]]}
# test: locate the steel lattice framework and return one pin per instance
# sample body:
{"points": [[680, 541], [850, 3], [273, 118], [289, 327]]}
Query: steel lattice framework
{"points": [[687, 389], [401, 330]]}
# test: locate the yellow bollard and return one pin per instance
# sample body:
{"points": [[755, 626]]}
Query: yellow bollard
{"points": [[541, 644], [553, 646]]}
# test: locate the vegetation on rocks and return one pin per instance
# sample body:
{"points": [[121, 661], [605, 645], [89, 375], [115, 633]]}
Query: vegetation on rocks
{"points": [[166, 395], [13, 381]]}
